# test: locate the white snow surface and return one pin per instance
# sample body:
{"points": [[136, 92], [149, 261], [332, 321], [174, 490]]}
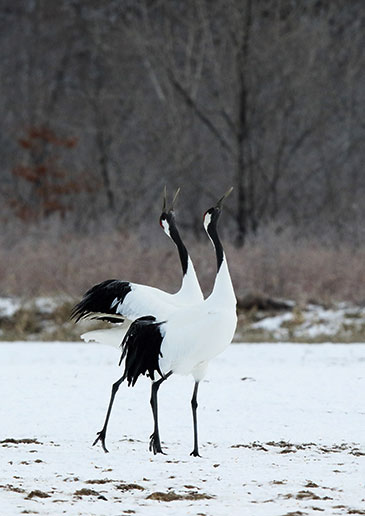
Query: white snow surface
{"points": [[282, 431]]}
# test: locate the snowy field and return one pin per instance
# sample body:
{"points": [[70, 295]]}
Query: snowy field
{"points": [[282, 432]]}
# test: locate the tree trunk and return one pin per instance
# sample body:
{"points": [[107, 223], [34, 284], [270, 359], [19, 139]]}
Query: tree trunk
{"points": [[242, 130]]}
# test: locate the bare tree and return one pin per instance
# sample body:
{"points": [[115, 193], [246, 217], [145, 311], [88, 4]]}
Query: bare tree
{"points": [[266, 96]]}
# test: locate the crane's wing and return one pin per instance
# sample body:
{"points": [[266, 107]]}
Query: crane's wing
{"points": [[115, 300], [102, 301]]}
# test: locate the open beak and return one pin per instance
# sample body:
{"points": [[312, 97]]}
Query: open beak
{"points": [[222, 199], [164, 201]]}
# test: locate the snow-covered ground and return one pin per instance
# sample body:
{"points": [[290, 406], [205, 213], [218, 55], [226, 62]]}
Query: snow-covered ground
{"points": [[314, 321], [10, 305], [282, 432]]}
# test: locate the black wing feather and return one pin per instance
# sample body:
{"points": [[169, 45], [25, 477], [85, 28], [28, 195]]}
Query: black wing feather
{"points": [[99, 300], [141, 348]]}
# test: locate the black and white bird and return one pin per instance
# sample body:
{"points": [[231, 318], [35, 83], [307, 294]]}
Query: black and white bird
{"points": [[119, 301], [182, 343]]}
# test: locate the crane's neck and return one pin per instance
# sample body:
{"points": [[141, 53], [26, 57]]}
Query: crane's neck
{"points": [[213, 235], [223, 292], [190, 285], [183, 253]]}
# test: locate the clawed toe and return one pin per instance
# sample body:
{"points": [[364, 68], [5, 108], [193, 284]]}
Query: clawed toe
{"points": [[101, 438], [155, 445]]}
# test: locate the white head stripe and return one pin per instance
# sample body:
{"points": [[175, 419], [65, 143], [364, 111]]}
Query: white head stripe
{"points": [[166, 227], [207, 219]]}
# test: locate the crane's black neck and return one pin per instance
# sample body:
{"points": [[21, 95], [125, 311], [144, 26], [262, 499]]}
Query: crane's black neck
{"points": [[212, 232], [183, 253]]}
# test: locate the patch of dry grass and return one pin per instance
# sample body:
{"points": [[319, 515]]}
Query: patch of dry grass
{"points": [[57, 263], [275, 265], [30, 323], [171, 496], [304, 271]]}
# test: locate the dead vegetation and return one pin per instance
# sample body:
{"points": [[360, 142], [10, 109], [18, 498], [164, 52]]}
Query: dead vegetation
{"points": [[171, 496], [129, 487], [98, 481], [284, 447], [86, 492], [10, 440], [267, 271], [306, 495], [14, 489], [31, 323], [37, 494]]}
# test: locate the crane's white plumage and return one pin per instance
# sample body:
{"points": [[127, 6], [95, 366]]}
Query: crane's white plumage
{"points": [[193, 336], [184, 341], [110, 336]]}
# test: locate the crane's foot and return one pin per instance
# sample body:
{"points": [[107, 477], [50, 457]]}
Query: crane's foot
{"points": [[101, 437], [195, 453], [155, 445]]}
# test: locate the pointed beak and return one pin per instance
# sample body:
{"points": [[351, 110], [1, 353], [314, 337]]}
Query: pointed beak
{"points": [[164, 200], [174, 199], [222, 199]]}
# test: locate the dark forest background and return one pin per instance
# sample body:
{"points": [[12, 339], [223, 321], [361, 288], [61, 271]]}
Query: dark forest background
{"points": [[105, 102]]}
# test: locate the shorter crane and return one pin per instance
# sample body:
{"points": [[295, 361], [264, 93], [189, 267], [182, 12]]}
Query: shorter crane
{"points": [[120, 302]]}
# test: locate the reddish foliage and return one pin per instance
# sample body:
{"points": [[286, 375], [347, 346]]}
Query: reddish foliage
{"points": [[53, 205], [71, 142], [27, 173], [24, 212], [49, 136], [26, 144], [48, 182], [41, 170]]}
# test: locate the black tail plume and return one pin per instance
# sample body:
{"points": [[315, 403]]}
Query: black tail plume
{"points": [[141, 348]]}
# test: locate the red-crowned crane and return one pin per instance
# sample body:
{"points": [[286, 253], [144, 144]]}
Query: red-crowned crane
{"points": [[116, 301], [184, 342]]}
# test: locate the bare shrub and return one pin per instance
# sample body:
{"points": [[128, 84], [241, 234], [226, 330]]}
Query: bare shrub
{"points": [[303, 270], [54, 261]]}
